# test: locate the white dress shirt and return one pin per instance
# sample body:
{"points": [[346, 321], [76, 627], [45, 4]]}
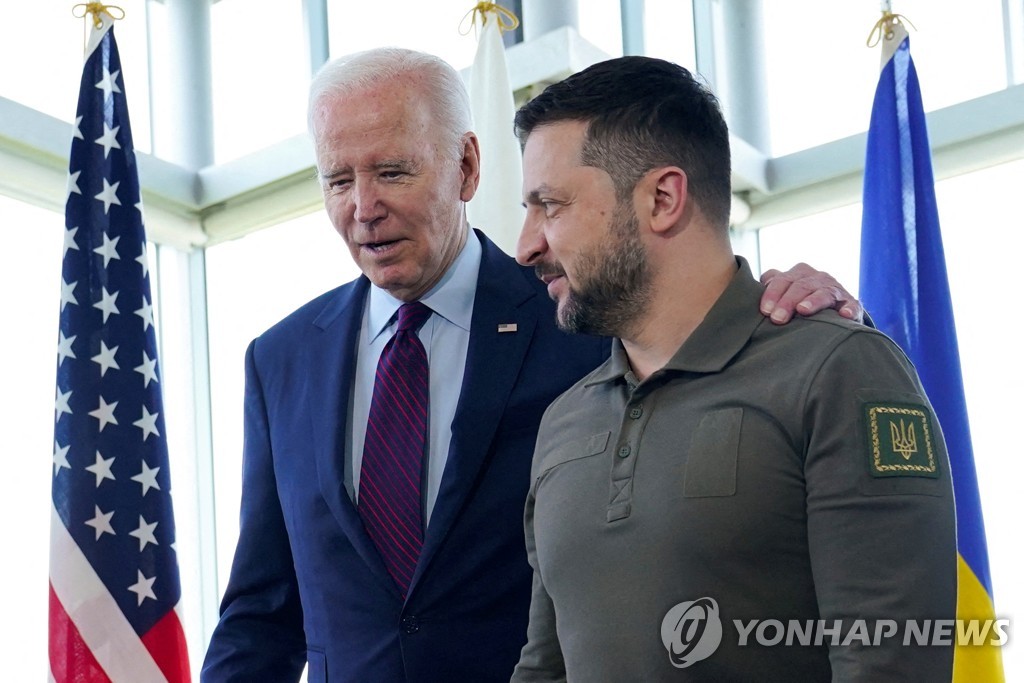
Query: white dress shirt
{"points": [[445, 336]]}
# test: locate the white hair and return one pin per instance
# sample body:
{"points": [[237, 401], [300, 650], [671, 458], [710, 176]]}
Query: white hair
{"points": [[446, 93]]}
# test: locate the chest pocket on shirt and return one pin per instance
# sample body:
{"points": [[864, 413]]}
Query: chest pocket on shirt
{"points": [[574, 450], [714, 452]]}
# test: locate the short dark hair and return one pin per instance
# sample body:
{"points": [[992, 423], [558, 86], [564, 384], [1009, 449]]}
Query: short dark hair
{"points": [[643, 113]]}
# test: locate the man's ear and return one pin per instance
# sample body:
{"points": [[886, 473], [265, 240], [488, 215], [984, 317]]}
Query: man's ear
{"points": [[666, 190], [470, 166]]}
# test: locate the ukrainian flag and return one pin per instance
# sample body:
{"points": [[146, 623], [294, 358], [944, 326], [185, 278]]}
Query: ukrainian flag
{"points": [[903, 284]]}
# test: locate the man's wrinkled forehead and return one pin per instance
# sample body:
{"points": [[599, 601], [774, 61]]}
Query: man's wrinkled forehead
{"points": [[406, 86]]}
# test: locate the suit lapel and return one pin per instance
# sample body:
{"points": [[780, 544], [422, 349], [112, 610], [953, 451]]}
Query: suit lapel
{"points": [[332, 365], [493, 361]]}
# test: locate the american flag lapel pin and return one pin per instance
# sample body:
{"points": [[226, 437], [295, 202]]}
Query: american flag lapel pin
{"points": [[508, 327]]}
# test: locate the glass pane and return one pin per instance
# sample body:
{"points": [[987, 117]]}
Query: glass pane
{"points": [[601, 24], [829, 241], [260, 64], [177, 378], [668, 31], [42, 53], [28, 354], [821, 77], [980, 222], [251, 284], [432, 27]]}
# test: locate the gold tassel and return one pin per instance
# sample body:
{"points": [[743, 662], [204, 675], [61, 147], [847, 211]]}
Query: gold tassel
{"points": [[884, 27], [507, 21], [95, 9]]}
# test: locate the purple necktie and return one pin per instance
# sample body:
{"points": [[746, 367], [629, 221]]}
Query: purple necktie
{"points": [[396, 436]]}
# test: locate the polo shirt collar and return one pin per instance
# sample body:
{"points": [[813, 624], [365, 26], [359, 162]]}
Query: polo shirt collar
{"points": [[725, 330]]}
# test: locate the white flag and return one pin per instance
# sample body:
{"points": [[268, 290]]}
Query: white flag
{"points": [[497, 207]]}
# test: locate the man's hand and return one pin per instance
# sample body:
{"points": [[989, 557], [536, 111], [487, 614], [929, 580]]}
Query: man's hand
{"points": [[804, 290]]}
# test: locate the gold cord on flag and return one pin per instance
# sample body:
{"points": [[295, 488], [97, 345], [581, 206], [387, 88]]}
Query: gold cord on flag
{"points": [[884, 28], [507, 20], [95, 9]]}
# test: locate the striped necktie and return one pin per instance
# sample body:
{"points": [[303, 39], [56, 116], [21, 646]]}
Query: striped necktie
{"points": [[390, 503]]}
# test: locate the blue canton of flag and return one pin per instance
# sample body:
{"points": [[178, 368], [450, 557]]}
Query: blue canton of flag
{"points": [[114, 584]]}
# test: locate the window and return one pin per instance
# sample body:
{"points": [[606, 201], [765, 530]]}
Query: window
{"points": [[668, 31], [42, 54], [428, 26], [251, 284], [28, 349], [261, 73], [821, 77]]}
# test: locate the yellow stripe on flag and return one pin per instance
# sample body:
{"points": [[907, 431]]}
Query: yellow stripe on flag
{"points": [[975, 663]]}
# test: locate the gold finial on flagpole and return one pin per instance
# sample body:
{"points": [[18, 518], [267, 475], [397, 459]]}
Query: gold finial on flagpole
{"points": [[507, 20], [885, 28], [95, 9]]}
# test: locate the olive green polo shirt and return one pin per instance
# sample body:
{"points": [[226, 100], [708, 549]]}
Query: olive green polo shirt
{"points": [[787, 472]]}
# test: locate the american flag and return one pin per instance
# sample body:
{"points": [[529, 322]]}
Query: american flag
{"points": [[114, 586]]}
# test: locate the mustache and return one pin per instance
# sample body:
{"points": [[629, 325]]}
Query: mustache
{"points": [[542, 270]]}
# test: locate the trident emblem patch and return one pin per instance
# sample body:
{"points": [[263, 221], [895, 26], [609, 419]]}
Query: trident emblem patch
{"points": [[900, 440]]}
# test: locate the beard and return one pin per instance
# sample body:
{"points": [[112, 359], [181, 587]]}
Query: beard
{"points": [[614, 282]]}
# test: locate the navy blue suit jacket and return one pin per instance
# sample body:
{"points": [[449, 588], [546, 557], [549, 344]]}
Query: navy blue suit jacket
{"points": [[307, 582]]}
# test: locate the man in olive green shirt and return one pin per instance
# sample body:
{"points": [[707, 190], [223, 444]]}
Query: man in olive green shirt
{"points": [[723, 499]]}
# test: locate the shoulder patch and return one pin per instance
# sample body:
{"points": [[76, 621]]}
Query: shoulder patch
{"points": [[900, 440]]}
